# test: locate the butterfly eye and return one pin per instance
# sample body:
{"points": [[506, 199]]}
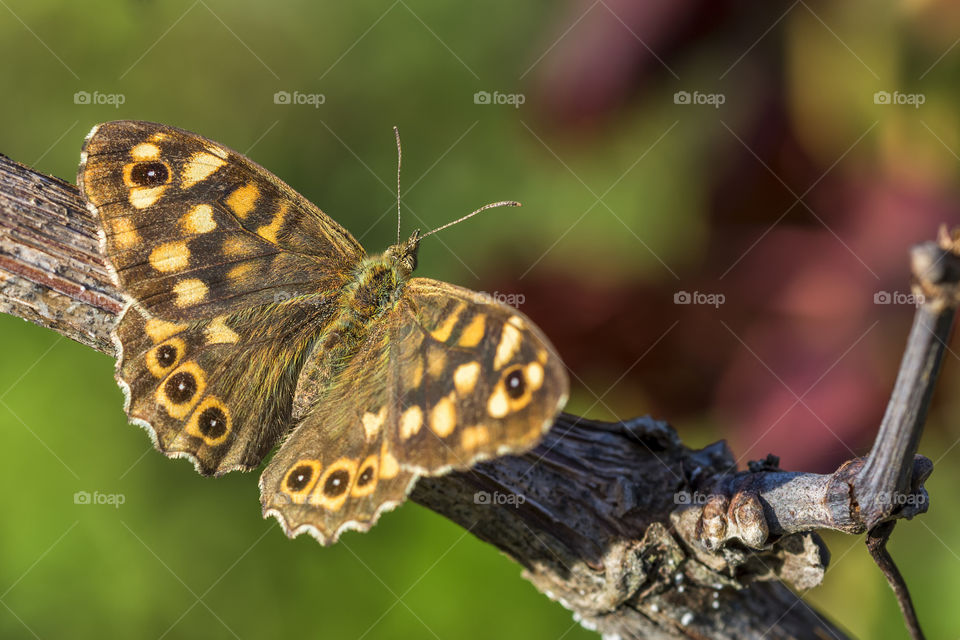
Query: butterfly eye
{"points": [[149, 174], [181, 387], [515, 383], [336, 483]]}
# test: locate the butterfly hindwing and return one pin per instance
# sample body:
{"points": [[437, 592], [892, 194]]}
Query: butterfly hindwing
{"points": [[429, 391], [215, 391], [192, 228]]}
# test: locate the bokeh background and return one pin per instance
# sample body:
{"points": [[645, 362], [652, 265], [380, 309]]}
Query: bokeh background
{"points": [[736, 155]]}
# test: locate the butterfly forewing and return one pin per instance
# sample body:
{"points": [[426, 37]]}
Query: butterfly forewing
{"points": [[192, 228]]}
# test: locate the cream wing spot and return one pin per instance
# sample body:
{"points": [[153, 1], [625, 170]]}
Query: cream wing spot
{"points": [[534, 375], [145, 151], [474, 437], [443, 416], [443, 331], [198, 220], [269, 231], [465, 378], [143, 197], [243, 199], [410, 422], [499, 404], [189, 292], [159, 330], [373, 421], [125, 234], [436, 361], [389, 467], [509, 343], [170, 257], [199, 167], [473, 333], [240, 271], [219, 333]]}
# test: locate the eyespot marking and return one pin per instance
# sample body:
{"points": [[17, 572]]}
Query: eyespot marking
{"points": [[366, 480], [211, 421], [181, 390], [300, 479], [164, 357], [333, 488]]}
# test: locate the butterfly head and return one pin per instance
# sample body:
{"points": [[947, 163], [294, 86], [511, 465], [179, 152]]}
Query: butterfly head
{"points": [[403, 255]]}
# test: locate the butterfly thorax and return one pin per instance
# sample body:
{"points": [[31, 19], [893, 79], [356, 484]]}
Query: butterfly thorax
{"points": [[378, 281]]}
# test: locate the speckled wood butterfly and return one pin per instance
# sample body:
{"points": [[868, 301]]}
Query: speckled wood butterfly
{"points": [[252, 318]]}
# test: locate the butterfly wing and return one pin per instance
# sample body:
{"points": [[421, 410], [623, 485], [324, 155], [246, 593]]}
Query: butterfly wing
{"points": [[216, 391], [230, 275], [445, 379], [192, 228]]}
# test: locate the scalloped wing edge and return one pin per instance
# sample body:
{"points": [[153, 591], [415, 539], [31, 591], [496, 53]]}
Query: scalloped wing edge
{"points": [[326, 540], [148, 426]]}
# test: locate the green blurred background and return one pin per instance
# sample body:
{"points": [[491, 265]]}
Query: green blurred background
{"points": [[795, 199]]}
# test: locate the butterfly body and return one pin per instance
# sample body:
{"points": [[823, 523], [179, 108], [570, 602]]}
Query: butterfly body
{"points": [[253, 318]]}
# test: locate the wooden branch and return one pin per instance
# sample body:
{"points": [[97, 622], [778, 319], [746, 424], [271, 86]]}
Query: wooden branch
{"points": [[635, 533]]}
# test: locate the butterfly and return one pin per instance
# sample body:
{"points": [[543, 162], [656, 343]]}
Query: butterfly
{"points": [[253, 319]]}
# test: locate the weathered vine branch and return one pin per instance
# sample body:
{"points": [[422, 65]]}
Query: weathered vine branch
{"points": [[640, 536]]}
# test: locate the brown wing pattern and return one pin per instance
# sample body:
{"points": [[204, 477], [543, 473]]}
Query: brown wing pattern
{"points": [[192, 228], [444, 380]]}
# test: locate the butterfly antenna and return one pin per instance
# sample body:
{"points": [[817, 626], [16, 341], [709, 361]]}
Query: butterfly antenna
{"points": [[492, 205], [396, 134]]}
